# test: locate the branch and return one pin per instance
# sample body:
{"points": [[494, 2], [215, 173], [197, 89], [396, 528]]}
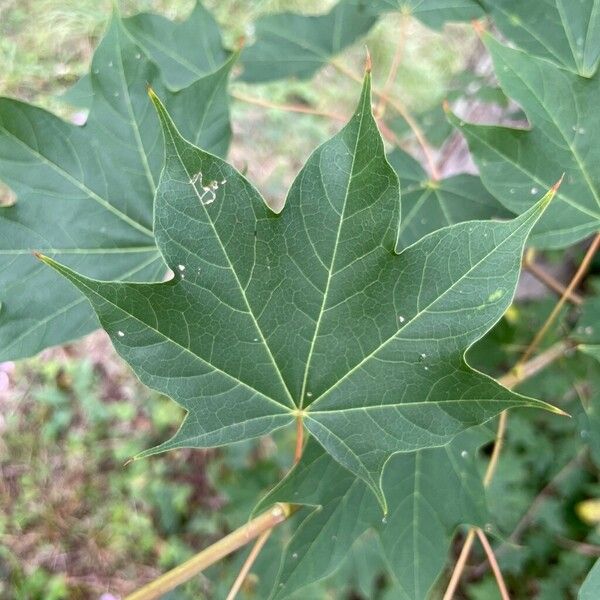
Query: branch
{"points": [[581, 271], [393, 72], [296, 108], [551, 283], [235, 540], [494, 564]]}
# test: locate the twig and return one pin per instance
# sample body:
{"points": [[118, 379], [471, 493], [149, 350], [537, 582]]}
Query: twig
{"points": [[460, 565], [403, 112], [519, 373], [526, 519], [579, 547], [235, 540], [297, 108], [393, 72], [494, 564], [237, 584], [307, 110], [509, 380], [581, 271], [551, 283]]}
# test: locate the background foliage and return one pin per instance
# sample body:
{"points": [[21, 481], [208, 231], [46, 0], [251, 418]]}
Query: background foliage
{"points": [[77, 523]]}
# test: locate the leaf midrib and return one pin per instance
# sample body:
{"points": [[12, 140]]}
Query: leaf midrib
{"points": [[413, 319], [333, 257]]}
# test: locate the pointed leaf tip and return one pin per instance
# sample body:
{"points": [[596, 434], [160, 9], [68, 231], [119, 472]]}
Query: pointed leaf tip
{"points": [[478, 26], [368, 62], [555, 187]]}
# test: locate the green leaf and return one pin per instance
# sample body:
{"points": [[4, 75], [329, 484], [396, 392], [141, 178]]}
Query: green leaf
{"points": [[431, 492], [430, 205], [587, 332], [567, 33], [590, 589], [309, 314], [184, 51], [516, 164], [85, 194], [295, 45], [433, 13]]}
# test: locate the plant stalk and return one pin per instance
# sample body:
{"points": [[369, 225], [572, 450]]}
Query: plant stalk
{"points": [[235, 540]]}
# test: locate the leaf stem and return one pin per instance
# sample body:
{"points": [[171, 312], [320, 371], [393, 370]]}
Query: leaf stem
{"points": [[404, 113], [460, 565], [237, 584], [510, 380], [299, 439], [581, 271], [296, 108], [551, 283], [494, 564], [235, 540]]}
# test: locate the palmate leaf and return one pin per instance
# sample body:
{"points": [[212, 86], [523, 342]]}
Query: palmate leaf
{"points": [[566, 32], [433, 13], [516, 164], [309, 314], [429, 205], [85, 194], [295, 45], [183, 51], [430, 493]]}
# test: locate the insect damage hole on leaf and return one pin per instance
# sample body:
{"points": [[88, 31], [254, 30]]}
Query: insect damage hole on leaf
{"points": [[317, 312]]}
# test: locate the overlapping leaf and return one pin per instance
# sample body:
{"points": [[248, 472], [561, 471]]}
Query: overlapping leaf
{"points": [[590, 590], [309, 314], [430, 491], [587, 332], [433, 13], [85, 194], [183, 52], [430, 205], [516, 164], [564, 31], [295, 45]]}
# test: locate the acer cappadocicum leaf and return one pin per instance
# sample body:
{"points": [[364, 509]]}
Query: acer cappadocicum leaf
{"points": [[85, 194], [309, 314], [516, 165]]}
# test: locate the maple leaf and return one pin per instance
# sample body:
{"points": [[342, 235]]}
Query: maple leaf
{"points": [[310, 314]]}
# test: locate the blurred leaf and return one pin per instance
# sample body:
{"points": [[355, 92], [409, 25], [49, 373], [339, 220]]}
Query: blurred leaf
{"points": [[183, 52], [516, 165], [568, 33], [433, 13], [296, 45], [590, 590], [84, 194], [430, 205], [431, 492]]}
